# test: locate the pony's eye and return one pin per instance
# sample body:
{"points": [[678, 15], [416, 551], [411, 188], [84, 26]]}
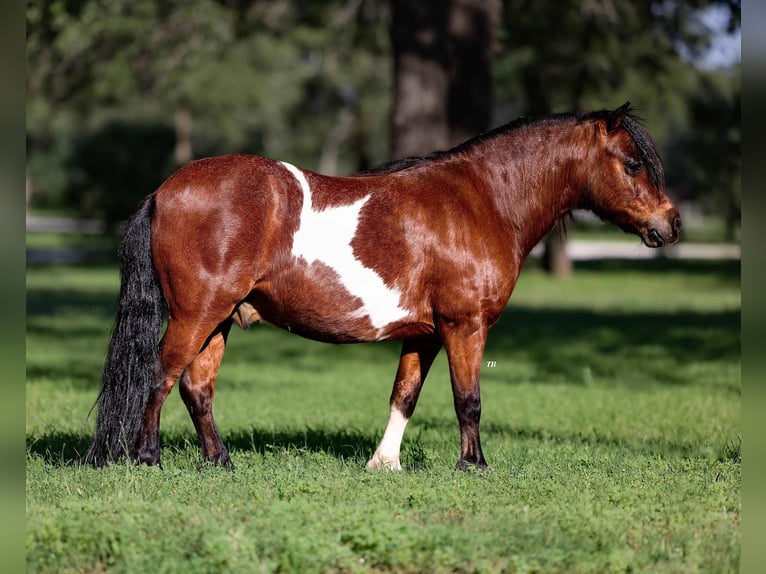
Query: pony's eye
{"points": [[632, 167]]}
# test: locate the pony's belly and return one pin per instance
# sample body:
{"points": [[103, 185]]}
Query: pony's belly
{"points": [[311, 301]]}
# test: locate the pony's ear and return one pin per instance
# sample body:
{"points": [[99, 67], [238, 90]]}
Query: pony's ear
{"points": [[614, 121]]}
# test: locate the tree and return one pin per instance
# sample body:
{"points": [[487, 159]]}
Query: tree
{"points": [[600, 49], [419, 115], [709, 162], [278, 77], [442, 73], [311, 82]]}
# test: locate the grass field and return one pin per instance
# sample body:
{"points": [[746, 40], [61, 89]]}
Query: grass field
{"points": [[611, 420]]}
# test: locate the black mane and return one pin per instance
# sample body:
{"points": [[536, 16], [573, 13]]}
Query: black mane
{"points": [[412, 161], [630, 124]]}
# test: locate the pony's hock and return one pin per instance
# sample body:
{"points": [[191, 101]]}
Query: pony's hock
{"points": [[425, 249]]}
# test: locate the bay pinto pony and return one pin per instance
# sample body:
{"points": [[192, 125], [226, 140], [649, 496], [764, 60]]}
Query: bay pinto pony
{"points": [[426, 250]]}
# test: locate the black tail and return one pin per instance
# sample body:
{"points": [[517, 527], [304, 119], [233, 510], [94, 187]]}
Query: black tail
{"points": [[129, 369]]}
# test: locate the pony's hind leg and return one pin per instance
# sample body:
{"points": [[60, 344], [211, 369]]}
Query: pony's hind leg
{"points": [[415, 361], [197, 388], [180, 344]]}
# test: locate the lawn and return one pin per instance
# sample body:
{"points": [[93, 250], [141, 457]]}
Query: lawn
{"points": [[611, 421]]}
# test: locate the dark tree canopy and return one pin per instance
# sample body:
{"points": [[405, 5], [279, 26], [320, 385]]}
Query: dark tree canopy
{"points": [[344, 85]]}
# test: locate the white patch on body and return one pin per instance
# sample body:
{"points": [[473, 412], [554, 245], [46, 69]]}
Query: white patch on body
{"points": [[386, 456], [325, 236]]}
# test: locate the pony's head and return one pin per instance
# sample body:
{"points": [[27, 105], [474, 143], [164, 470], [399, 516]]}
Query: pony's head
{"points": [[626, 183]]}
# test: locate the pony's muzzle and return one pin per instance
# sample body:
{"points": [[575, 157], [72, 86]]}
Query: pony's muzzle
{"points": [[662, 229]]}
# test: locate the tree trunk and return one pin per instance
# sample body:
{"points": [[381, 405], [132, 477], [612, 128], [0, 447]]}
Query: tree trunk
{"points": [[556, 260], [182, 119], [344, 126], [443, 82], [470, 46], [419, 116]]}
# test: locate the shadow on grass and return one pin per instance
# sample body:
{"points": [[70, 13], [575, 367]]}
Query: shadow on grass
{"points": [[80, 374], [340, 443], [727, 270], [562, 342], [50, 301], [662, 447], [68, 448], [559, 342]]}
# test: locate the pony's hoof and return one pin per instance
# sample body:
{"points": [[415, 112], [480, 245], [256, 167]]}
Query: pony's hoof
{"points": [[377, 463], [147, 457], [476, 467], [222, 460], [225, 463]]}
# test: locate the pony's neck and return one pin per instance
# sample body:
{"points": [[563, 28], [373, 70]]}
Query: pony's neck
{"points": [[536, 175]]}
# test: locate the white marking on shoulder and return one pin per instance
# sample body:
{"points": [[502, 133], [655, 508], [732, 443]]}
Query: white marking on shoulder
{"points": [[326, 236]]}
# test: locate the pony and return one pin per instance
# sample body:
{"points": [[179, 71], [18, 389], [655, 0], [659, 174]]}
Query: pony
{"points": [[426, 250]]}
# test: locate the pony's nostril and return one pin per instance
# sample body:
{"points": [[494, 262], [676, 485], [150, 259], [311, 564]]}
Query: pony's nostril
{"points": [[655, 236], [676, 224]]}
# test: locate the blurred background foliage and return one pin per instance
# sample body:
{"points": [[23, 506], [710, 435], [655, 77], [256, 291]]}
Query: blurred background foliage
{"points": [[122, 92]]}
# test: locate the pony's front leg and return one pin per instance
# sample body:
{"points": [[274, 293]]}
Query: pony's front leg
{"points": [[464, 344], [416, 359]]}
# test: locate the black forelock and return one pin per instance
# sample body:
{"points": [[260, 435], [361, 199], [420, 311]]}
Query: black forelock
{"points": [[647, 150]]}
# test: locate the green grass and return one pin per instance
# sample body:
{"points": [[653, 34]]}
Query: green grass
{"points": [[611, 420]]}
